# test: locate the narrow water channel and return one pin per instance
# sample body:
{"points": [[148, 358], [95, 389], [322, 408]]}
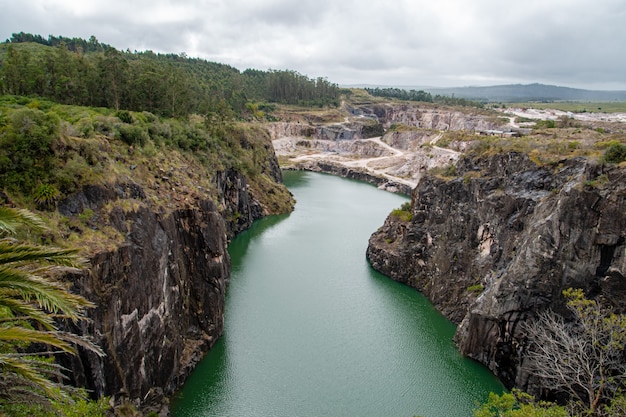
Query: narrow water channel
{"points": [[312, 330]]}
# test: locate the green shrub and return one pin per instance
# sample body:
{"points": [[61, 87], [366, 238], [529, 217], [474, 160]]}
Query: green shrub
{"points": [[518, 404], [45, 196], [615, 154], [26, 155], [104, 125], [132, 134], [85, 127], [404, 212], [606, 144], [545, 124], [476, 289], [149, 117], [124, 116]]}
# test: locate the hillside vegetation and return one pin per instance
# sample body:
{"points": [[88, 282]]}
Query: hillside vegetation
{"points": [[49, 151], [89, 73], [75, 112]]}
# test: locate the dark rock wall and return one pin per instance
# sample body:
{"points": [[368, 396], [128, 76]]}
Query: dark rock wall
{"points": [[241, 209], [159, 295], [159, 298], [501, 242]]}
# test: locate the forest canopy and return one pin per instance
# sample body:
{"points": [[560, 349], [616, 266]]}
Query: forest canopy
{"points": [[89, 73], [421, 95]]}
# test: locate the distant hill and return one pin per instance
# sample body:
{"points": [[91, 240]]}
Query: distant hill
{"points": [[529, 92], [514, 93]]}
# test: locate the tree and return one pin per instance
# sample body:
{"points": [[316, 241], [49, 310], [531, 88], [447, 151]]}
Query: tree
{"points": [[518, 404], [26, 154], [13, 70], [584, 357], [32, 303], [113, 77]]}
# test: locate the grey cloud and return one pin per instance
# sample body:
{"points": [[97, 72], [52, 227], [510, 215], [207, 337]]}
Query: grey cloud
{"points": [[287, 13], [401, 42]]}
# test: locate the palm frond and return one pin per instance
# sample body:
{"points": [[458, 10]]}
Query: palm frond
{"points": [[23, 253], [31, 375], [84, 341], [11, 219], [31, 297], [50, 295], [21, 310], [20, 334]]}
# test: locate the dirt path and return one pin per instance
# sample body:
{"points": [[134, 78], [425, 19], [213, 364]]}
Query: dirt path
{"points": [[377, 166], [395, 164]]}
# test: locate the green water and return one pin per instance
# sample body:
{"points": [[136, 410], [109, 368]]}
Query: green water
{"points": [[313, 330]]}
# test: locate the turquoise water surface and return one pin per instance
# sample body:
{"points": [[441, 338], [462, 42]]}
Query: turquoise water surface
{"points": [[312, 330]]}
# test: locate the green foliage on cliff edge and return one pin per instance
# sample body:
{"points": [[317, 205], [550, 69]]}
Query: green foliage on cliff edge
{"points": [[518, 404], [77, 406], [49, 151], [615, 154], [404, 212]]}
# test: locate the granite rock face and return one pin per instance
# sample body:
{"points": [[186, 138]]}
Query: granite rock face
{"points": [[241, 207], [159, 302], [426, 117], [500, 242], [374, 120], [334, 132], [159, 290]]}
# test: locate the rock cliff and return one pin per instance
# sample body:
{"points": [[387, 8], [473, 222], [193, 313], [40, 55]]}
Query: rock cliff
{"points": [[160, 302], [159, 286], [500, 242], [328, 132], [390, 144], [365, 121], [426, 116]]}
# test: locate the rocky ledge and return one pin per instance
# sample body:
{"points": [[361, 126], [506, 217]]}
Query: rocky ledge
{"points": [[355, 173], [499, 242]]}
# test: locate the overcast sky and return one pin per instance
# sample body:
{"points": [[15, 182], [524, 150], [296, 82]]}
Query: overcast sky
{"points": [[575, 43]]}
